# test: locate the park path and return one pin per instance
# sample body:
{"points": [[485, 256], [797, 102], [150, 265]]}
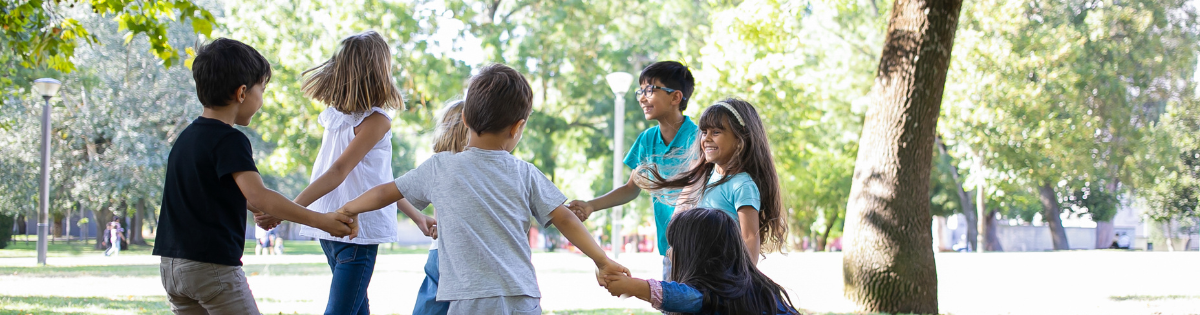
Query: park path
{"points": [[1076, 282]]}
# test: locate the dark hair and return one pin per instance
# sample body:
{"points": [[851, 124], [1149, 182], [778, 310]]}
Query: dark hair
{"points": [[671, 74], [357, 78], [497, 98], [710, 256], [753, 156], [223, 66]]}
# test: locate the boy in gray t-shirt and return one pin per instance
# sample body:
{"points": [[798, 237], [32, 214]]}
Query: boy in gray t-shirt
{"points": [[485, 197]]}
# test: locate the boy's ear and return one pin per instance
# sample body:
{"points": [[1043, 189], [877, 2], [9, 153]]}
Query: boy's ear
{"points": [[516, 128], [240, 94], [676, 98]]}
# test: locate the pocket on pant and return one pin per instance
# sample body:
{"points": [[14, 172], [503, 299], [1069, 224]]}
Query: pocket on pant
{"points": [[201, 281], [527, 306]]}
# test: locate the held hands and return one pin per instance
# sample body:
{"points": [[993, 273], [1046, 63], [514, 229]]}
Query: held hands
{"points": [[428, 226], [582, 209], [339, 224], [266, 221], [623, 285], [609, 268]]}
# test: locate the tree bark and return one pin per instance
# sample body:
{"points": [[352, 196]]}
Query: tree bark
{"points": [[135, 229], [1104, 234], [985, 222], [103, 216], [1050, 213], [889, 265], [993, 235], [824, 240], [968, 207]]}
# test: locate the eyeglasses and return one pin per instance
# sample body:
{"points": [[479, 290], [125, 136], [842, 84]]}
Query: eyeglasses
{"points": [[649, 90]]}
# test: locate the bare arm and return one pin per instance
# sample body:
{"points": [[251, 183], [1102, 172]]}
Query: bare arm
{"points": [[749, 224], [375, 198], [271, 202], [619, 196], [367, 134], [620, 285], [573, 230]]}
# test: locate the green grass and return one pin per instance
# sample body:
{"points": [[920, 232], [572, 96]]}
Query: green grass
{"points": [[18, 248], [128, 271]]}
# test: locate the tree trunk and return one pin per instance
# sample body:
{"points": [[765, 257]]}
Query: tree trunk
{"points": [[135, 228], [984, 224], [888, 266], [824, 240], [103, 216], [993, 235], [1050, 213], [968, 208], [1104, 234], [67, 222], [22, 223], [1169, 234]]}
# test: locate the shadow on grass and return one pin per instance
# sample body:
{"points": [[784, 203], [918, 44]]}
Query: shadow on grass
{"points": [[83, 305], [1144, 298], [136, 271]]}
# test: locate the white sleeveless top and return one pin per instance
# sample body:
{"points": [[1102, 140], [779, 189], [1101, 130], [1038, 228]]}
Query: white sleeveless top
{"points": [[375, 227]]}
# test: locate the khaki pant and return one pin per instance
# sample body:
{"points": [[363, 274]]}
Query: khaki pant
{"points": [[195, 287]]}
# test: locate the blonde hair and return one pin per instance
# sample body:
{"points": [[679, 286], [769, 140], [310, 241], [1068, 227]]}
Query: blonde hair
{"points": [[451, 133], [357, 77]]}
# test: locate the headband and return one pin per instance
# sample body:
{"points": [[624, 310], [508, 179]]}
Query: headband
{"points": [[735, 113]]}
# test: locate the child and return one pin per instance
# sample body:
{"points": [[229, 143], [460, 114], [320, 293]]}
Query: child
{"points": [[736, 175], [116, 236], [713, 272], [450, 136], [211, 181], [485, 197], [355, 155], [665, 88]]}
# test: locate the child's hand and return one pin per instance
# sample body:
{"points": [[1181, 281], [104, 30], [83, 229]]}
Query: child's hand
{"points": [[339, 224], [582, 209], [430, 227], [623, 285], [608, 268], [266, 221]]}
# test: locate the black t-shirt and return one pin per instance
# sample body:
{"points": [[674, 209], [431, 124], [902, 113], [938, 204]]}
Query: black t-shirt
{"points": [[203, 215]]}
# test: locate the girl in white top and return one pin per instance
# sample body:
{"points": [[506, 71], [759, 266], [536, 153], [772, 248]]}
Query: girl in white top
{"points": [[356, 154]]}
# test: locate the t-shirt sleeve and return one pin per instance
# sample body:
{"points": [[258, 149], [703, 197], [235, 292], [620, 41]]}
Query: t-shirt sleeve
{"points": [[544, 197], [747, 194], [233, 154], [636, 154], [415, 184]]}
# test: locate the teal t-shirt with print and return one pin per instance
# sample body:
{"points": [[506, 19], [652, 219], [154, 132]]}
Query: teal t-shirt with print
{"points": [[739, 191], [670, 158]]}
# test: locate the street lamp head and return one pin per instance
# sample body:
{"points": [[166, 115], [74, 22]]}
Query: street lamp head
{"points": [[619, 82], [46, 87]]}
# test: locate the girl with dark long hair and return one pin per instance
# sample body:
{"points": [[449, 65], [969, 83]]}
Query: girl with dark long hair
{"points": [[732, 170], [713, 272]]}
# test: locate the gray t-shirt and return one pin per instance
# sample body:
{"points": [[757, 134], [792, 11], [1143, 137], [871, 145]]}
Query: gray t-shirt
{"points": [[484, 200]]}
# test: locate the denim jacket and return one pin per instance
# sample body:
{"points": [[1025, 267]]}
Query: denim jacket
{"points": [[669, 296]]}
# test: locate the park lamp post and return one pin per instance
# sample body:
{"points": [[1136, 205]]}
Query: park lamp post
{"points": [[619, 82], [46, 87]]}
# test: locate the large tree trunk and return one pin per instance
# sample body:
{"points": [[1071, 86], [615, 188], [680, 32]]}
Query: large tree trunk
{"points": [[968, 207], [992, 234], [889, 266], [1050, 213], [1104, 226], [135, 228], [103, 216]]}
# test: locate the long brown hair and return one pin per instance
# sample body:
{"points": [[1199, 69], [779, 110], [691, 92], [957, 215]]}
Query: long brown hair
{"points": [[451, 133], [708, 254], [752, 156], [357, 77]]}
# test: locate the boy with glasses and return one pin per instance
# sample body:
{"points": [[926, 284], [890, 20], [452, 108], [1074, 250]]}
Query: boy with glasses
{"points": [[664, 89]]}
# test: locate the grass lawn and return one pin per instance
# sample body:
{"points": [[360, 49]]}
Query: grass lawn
{"points": [[18, 248]]}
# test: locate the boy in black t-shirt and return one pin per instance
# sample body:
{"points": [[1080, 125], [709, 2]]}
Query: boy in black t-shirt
{"points": [[211, 181]]}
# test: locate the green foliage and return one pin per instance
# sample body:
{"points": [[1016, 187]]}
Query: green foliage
{"points": [[39, 32]]}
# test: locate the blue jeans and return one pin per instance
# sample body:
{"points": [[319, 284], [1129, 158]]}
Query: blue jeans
{"points": [[427, 303], [352, 266]]}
